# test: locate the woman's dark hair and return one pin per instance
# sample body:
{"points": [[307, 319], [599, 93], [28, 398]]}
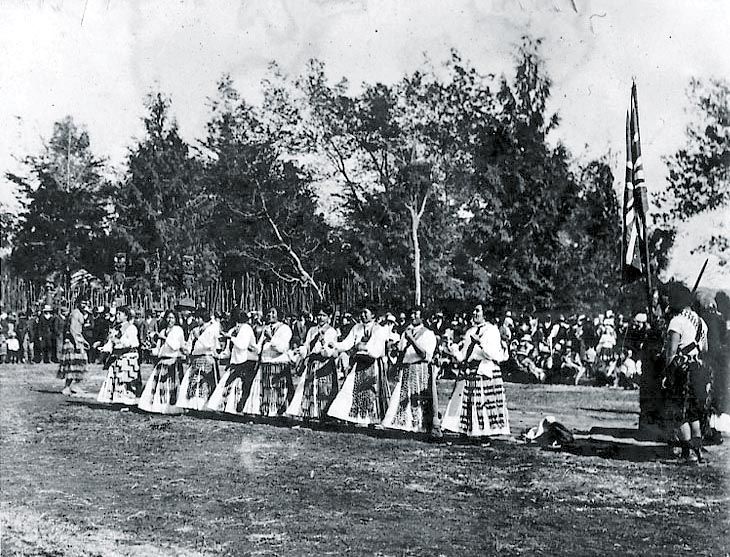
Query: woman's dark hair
{"points": [[169, 312], [203, 313], [279, 313], [80, 301], [126, 310], [239, 315], [323, 308], [679, 296]]}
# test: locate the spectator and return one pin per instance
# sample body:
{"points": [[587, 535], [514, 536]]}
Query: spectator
{"points": [[44, 336], [13, 347]]}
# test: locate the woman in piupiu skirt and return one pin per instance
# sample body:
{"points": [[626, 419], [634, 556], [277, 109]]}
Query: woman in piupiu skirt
{"points": [[123, 383], [318, 384], [162, 388], [234, 388]]}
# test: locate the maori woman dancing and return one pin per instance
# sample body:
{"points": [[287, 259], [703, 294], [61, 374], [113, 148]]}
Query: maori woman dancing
{"points": [[201, 376], [161, 391], [123, 383], [75, 346], [686, 379], [414, 404], [235, 386], [364, 396], [318, 385], [478, 407], [272, 387]]}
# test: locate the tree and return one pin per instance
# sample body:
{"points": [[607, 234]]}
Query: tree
{"points": [[699, 172], [163, 207], [395, 152], [8, 225], [64, 222], [522, 193], [590, 242], [266, 219]]}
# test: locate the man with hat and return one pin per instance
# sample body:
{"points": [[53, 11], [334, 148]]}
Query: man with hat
{"points": [[185, 309], [44, 330]]}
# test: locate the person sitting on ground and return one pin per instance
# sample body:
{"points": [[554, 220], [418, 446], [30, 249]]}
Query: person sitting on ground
{"points": [[627, 372], [572, 368]]}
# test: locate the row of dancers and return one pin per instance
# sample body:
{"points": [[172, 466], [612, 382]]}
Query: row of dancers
{"points": [[258, 381]]}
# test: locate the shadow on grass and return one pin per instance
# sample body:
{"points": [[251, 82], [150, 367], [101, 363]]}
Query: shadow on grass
{"points": [[617, 451], [624, 444], [334, 426], [585, 447], [609, 410]]}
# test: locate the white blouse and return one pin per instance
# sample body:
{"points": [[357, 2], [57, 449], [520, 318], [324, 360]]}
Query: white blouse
{"points": [[129, 337], [207, 342], [275, 351], [321, 344], [489, 352], [173, 344], [240, 344], [426, 341], [375, 347]]}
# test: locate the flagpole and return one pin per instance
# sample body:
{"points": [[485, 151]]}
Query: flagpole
{"points": [[644, 204]]}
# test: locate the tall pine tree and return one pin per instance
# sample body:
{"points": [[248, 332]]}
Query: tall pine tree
{"points": [[64, 222], [163, 208]]}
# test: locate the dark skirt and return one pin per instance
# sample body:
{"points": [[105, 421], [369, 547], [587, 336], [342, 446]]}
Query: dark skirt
{"points": [[317, 388], [234, 388], [198, 383], [478, 406], [364, 396], [276, 388], [73, 362], [687, 396], [412, 404], [161, 391]]}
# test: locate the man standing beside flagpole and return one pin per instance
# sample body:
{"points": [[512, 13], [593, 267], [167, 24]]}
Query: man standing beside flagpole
{"points": [[635, 265]]}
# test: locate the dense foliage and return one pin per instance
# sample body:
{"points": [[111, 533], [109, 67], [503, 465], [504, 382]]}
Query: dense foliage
{"points": [[445, 186], [65, 224]]}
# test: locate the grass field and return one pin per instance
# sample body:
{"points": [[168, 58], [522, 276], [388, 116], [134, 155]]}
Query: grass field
{"points": [[82, 479]]}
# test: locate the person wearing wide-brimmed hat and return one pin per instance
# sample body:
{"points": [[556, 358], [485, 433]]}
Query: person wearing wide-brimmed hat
{"points": [[185, 308], [684, 378], [74, 353]]}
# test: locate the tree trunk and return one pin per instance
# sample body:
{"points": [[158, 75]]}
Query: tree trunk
{"points": [[415, 222]]}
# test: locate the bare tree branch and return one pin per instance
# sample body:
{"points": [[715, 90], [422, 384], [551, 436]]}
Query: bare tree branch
{"points": [[306, 277]]}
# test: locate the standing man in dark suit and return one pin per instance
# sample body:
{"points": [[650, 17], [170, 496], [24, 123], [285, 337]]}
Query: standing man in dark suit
{"points": [[44, 336]]}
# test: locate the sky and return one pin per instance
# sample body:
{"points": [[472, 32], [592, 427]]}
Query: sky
{"points": [[97, 59]]}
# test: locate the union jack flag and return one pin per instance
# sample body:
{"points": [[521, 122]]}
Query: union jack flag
{"points": [[634, 248]]}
